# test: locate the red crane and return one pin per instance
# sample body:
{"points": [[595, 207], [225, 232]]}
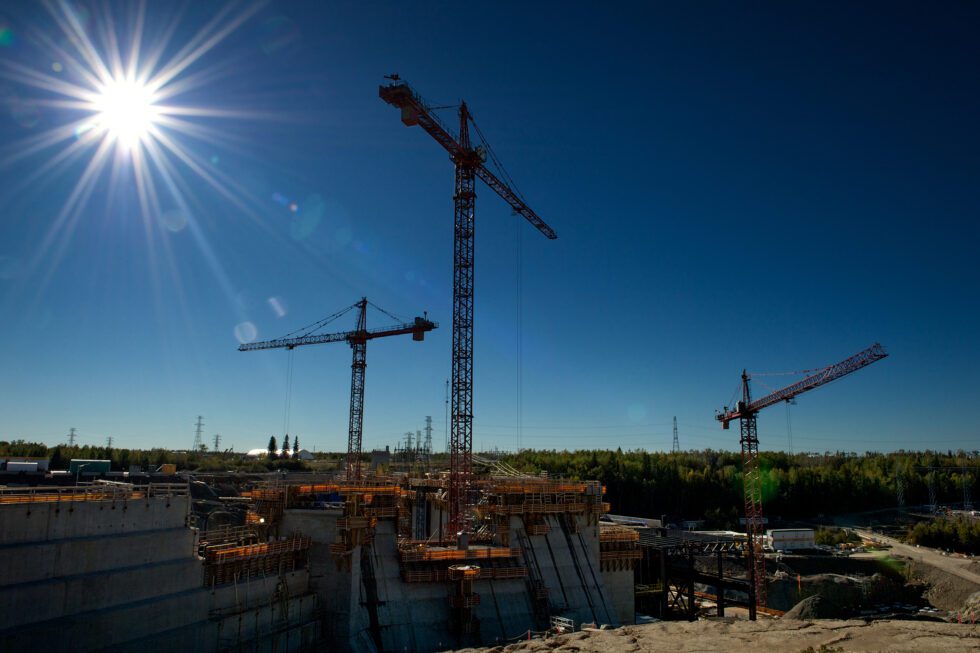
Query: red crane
{"points": [[470, 163], [746, 411], [357, 339]]}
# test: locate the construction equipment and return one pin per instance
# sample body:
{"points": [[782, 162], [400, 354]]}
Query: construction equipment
{"points": [[746, 411], [470, 162], [357, 339]]}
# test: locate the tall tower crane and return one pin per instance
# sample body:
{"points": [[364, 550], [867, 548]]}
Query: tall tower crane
{"points": [[470, 163], [357, 339], [746, 412]]}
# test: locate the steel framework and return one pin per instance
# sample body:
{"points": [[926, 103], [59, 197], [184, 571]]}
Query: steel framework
{"points": [[470, 164]]}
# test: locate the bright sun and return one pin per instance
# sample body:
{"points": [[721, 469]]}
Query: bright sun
{"points": [[125, 111]]}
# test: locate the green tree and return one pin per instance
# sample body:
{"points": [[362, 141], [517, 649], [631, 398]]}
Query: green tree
{"points": [[273, 448], [296, 447], [285, 446]]}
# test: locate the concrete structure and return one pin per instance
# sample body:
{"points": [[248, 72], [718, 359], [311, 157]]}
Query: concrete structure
{"points": [[385, 578], [108, 568], [364, 569]]}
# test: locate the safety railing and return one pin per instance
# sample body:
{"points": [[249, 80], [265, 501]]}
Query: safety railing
{"points": [[98, 491]]}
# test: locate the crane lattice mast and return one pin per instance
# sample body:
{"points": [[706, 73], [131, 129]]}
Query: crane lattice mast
{"points": [[746, 412], [470, 163], [357, 339]]}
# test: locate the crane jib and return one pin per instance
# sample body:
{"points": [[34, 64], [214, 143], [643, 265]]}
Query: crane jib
{"points": [[415, 112], [863, 358]]}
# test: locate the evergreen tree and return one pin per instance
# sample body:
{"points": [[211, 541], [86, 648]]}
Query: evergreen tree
{"points": [[285, 446], [273, 448], [296, 447]]}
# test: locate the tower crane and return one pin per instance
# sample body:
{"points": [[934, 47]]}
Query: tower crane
{"points": [[357, 339], [470, 162], [746, 412]]}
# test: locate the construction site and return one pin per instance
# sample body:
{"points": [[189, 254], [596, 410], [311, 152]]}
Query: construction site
{"points": [[406, 556]]}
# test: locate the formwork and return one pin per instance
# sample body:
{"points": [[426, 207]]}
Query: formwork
{"points": [[224, 563], [618, 548]]}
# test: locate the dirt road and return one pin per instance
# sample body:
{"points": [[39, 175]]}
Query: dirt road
{"points": [[961, 567]]}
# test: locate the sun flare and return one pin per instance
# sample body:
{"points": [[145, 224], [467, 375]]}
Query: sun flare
{"points": [[125, 111]]}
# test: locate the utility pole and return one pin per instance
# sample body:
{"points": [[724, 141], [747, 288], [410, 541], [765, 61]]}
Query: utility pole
{"points": [[71, 437], [197, 434], [217, 441], [676, 447], [108, 442]]}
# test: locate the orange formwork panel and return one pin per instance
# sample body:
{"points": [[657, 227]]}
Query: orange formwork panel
{"points": [[618, 534], [423, 555]]}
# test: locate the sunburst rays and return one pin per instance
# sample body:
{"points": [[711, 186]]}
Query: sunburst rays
{"points": [[123, 97]]}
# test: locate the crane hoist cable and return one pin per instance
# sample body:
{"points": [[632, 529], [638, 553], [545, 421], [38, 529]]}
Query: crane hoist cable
{"points": [[288, 406]]}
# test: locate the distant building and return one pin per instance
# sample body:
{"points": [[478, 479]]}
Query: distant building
{"points": [[94, 467], [30, 463], [380, 457]]}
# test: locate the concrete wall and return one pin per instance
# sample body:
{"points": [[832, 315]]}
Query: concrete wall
{"points": [[67, 557], [417, 616], [620, 588], [125, 576], [336, 586], [569, 564], [44, 522]]}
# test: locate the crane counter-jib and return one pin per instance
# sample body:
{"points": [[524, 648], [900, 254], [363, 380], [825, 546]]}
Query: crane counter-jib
{"points": [[418, 328]]}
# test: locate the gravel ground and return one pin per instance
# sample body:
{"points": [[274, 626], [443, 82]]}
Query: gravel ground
{"points": [[764, 635]]}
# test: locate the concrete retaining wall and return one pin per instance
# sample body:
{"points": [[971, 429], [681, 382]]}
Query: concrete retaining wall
{"points": [[45, 522], [125, 576]]}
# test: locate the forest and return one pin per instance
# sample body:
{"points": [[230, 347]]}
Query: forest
{"points": [[957, 534], [708, 484]]}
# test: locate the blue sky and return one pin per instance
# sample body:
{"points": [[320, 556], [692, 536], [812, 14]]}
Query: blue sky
{"points": [[733, 185]]}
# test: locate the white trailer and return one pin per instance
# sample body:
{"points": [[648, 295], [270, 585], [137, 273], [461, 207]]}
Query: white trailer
{"points": [[791, 539]]}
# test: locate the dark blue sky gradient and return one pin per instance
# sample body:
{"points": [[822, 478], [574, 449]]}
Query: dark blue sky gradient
{"points": [[733, 184]]}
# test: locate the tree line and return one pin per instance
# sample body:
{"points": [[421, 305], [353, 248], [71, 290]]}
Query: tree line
{"points": [[686, 485], [708, 484]]}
